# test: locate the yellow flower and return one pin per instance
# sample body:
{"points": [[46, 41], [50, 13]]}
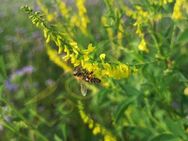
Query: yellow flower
{"points": [[67, 57], [90, 49], [142, 46], [109, 138], [96, 129], [102, 56], [177, 13], [186, 91], [63, 8]]}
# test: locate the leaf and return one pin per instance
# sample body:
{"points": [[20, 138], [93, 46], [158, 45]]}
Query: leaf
{"points": [[183, 37], [165, 137], [176, 127], [126, 102]]}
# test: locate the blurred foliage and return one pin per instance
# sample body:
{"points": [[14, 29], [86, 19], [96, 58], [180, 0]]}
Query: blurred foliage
{"points": [[137, 48]]}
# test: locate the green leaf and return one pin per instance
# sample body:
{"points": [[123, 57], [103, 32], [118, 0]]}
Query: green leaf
{"points": [[126, 102], [176, 127], [183, 37], [165, 137]]}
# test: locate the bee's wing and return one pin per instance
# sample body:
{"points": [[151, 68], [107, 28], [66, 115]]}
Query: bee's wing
{"points": [[83, 89]]}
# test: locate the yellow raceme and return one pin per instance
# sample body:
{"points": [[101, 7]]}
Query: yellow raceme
{"points": [[95, 127], [73, 52]]}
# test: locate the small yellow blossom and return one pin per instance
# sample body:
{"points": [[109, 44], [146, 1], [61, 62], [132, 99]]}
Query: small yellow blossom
{"points": [[96, 130], [90, 48], [142, 46], [102, 56]]}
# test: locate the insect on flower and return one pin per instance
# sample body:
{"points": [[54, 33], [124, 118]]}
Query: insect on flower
{"points": [[85, 75], [82, 74]]}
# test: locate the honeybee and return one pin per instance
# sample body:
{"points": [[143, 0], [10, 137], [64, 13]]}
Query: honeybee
{"points": [[83, 74]]}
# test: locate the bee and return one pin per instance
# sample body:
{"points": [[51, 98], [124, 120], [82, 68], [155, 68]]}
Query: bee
{"points": [[90, 78], [83, 74]]}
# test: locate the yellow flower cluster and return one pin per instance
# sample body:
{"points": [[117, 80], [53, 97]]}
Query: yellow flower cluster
{"points": [[81, 20], [63, 8], [179, 5], [95, 127], [100, 69], [142, 45], [141, 18], [74, 53]]}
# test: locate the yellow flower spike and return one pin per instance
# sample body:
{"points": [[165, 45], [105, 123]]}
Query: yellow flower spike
{"points": [[95, 127], [142, 46], [82, 19], [63, 8]]}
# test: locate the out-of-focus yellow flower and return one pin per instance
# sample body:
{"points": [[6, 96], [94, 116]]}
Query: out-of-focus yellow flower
{"points": [[142, 46], [63, 8], [109, 138], [95, 127], [177, 13], [186, 91], [90, 48], [81, 20], [102, 56], [53, 55]]}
